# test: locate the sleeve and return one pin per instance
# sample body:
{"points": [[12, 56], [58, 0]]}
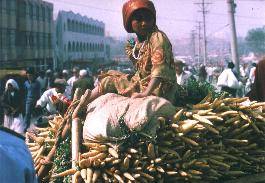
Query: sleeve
{"points": [[44, 99], [222, 79], [161, 55], [4, 102]]}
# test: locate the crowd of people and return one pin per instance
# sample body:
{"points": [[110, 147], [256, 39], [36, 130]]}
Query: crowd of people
{"points": [[35, 94]]}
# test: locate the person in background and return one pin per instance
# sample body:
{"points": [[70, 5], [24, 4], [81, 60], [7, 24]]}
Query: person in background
{"points": [[96, 77], [42, 80], [84, 82], [16, 161], [12, 103], [252, 73], [32, 94], [49, 97], [258, 88], [202, 74], [50, 79], [228, 81], [181, 76], [71, 81], [65, 74]]}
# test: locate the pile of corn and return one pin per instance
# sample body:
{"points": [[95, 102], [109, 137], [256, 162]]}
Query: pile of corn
{"points": [[219, 139], [42, 140]]}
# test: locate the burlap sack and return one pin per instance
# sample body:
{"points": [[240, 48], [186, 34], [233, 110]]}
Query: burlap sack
{"points": [[140, 114]]}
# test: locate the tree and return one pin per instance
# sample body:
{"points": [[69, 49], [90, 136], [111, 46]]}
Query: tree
{"points": [[256, 40]]}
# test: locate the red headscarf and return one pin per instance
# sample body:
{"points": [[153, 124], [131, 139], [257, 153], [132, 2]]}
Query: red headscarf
{"points": [[131, 6], [258, 89]]}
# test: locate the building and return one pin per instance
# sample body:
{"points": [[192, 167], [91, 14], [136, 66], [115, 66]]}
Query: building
{"points": [[26, 28], [80, 41]]}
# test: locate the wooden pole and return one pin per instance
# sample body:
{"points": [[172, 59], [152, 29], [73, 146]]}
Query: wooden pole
{"points": [[75, 142]]}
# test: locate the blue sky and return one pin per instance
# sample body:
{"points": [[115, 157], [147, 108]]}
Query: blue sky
{"points": [[175, 17]]}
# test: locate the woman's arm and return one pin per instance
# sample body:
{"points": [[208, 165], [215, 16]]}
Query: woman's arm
{"points": [[153, 84]]}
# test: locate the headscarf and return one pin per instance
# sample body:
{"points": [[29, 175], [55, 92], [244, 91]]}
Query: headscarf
{"points": [[82, 72], [258, 89], [131, 6], [13, 83]]}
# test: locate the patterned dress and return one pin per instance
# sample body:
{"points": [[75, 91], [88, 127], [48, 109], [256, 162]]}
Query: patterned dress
{"points": [[152, 58]]}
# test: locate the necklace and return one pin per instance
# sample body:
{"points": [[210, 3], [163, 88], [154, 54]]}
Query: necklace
{"points": [[139, 53]]}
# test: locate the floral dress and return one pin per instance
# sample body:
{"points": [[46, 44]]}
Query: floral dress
{"points": [[152, 58]]}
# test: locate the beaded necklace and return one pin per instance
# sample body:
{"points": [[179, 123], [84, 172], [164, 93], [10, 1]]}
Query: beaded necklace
{"points": [[140, 51]]}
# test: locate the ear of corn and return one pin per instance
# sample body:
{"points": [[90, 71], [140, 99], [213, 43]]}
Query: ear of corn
{"points": [[216, 140]]}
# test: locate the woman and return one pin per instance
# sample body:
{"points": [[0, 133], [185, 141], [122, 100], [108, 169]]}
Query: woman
{"points": [[12, 104], [258, 88], [150, 53], [202, 75]]}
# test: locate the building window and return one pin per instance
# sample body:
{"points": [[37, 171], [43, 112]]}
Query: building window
{"points": [[22, 9], [86, 28], [79, 27], [30, 40], [49, 14], [44, 41], [76, 27], [26, 39], [50, 41], [73, 47], [30, 11], [68, 24], [43, 13], [41, 40], [37, 12], [4, 38], [8, 6], [1, 41], [69, 47], [89, 29], [37, 40]]}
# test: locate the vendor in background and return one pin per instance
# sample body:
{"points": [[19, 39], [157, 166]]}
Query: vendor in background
{"points": [[71, 81], [32, 94], [12, 102], [65, 74], [49, 79], [84, 82], [43, 81], [228, 81], [150, 53], [181, 76], [50, 97], [202, 74], [258, 88]]}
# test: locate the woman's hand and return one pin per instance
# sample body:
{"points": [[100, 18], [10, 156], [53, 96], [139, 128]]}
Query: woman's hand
{"points": [[153, 84]]}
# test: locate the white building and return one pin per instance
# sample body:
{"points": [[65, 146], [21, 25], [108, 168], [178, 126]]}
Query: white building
{"points": [[80, 41]]}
